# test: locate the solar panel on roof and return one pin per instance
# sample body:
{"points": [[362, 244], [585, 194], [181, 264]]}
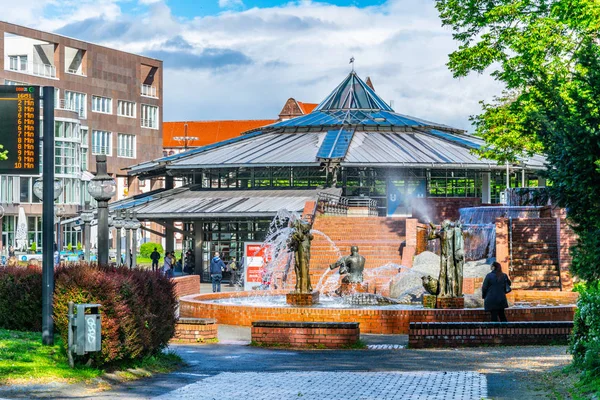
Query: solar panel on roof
{"points": [[335, 144]]}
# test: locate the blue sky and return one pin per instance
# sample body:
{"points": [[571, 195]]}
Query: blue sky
{"points": [[200, 8], [242, 59]]}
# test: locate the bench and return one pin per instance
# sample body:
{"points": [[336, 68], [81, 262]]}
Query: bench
{"points": [[196, 330], [330, 335], [471, 334]]}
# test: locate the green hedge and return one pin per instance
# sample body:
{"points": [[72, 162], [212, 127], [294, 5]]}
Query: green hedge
{"points": [[585, 340], [147, 248], [138, 306]]}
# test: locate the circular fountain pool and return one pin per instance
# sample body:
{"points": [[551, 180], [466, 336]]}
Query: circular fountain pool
{"points": [[242, 308]]}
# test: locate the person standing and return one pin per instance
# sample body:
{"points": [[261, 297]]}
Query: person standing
{"points": [[168, 264], [234, 272], [155, 257], [217, 266], [495, 286], [11, 251]]}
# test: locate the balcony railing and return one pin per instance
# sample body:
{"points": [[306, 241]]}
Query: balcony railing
{"points": [[125, 152], [149, 91], [33, 68], [65, 104]]}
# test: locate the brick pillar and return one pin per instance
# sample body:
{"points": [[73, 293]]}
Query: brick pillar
{"points": [[502, 244], [408, 252], [565, 239]]}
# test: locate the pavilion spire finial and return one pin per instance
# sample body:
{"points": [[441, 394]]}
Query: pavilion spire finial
{"points": [[352, 62]]}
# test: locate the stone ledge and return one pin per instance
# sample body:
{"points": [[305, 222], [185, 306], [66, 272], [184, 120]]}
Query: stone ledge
{"points": [[489, 325], [310, 325], [197, 321]]}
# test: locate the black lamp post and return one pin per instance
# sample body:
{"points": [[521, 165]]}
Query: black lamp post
{"points": [[102, 188]]}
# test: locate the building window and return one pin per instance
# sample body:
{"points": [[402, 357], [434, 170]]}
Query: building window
{"points": [[126, 108], [101, 142], [84, 159], [77, 102], [84, 137], [126, 145], [149, 116], [14, 83], [102, 104], [66, 130], [67, 158], [18, 63]]}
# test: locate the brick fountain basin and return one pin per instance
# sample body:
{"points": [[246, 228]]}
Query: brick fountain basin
{"points": [[237, 308]]}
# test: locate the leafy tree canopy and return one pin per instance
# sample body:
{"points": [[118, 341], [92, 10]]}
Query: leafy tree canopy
{"points": [[3, 154], [547, 54]]}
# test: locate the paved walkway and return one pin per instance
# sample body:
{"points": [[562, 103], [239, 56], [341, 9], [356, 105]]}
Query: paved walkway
{"points": [[233, 371]]}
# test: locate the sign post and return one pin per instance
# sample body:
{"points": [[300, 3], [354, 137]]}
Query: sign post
{"points": [[254, 262]]}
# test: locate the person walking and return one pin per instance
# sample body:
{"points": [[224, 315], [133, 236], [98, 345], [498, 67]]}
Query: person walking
{"points": [[217, 266], [11, 251], [155, 257], [495, 286], [232, 266]]}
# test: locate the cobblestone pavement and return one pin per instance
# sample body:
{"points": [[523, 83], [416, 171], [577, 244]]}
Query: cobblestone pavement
{"points": [[335, 386]]}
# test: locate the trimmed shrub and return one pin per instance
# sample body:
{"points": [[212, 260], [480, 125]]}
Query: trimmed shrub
{"points": [[585, 340], [147, 248], [21, 298], [138, 308]]}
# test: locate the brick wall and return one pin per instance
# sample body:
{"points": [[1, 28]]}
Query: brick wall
{"points": [[377, 238], [305, 334], [187, 285], [195, 330], [437, 209], [427, 335], [381, 321]]}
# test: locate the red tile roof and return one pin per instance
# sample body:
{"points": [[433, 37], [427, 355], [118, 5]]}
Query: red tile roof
{"points": [[207, 132], [307, 108]]}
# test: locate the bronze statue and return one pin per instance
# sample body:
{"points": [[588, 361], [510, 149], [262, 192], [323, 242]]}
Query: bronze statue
{"points": [[300, 244], [430, 284], [351, 266], [452, 258]]}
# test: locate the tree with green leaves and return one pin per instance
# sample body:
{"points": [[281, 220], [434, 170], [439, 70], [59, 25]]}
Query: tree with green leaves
{"points": [[3, 154], [547, 55]]}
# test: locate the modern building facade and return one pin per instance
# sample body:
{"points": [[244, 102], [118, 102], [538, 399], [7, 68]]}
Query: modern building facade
{"points": [[352, 145], [106, 102]]}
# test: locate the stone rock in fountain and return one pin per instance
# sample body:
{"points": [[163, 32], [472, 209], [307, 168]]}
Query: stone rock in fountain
{"points": [[407, 285], [368, 299]]}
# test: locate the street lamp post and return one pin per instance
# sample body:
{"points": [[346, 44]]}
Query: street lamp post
{"points": [[102, 188], [118, 224], [128, 224], [87, 216], [135, 225]]}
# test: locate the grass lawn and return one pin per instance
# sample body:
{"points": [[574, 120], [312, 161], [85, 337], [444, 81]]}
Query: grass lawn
{"points": [[24, 360], [570, 383]]}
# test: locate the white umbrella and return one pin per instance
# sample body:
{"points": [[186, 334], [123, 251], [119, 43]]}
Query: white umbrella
{"points": [[21, 230]]}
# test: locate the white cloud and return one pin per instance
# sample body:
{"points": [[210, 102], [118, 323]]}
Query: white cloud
{"points": [[245, 64], [230, 3]]}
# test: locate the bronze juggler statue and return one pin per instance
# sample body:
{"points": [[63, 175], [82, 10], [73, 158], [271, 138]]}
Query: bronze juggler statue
{"points": [[452, 260], [299, 243], [351, 266]]}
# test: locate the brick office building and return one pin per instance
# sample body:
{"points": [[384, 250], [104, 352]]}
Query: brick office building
{"points": [[106, 102]]}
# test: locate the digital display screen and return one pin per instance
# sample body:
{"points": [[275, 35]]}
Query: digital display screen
{"points": [[19, 130]]}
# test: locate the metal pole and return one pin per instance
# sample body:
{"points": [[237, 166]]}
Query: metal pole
{"points": [[134, 233], [87, 233], [119, 262], [127, 246], [507, 176], [48, 219], [70, 336], [102, 232]]}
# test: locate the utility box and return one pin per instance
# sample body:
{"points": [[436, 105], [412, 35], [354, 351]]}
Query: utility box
{"points": [[85, 327]]}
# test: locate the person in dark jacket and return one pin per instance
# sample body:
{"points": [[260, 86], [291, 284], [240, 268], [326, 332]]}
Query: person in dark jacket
{"points": [[155, 257], [217, 266], [494, 292]]}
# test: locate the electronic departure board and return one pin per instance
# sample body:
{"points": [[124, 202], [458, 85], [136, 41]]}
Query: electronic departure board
{"points": [[19, 130]]}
